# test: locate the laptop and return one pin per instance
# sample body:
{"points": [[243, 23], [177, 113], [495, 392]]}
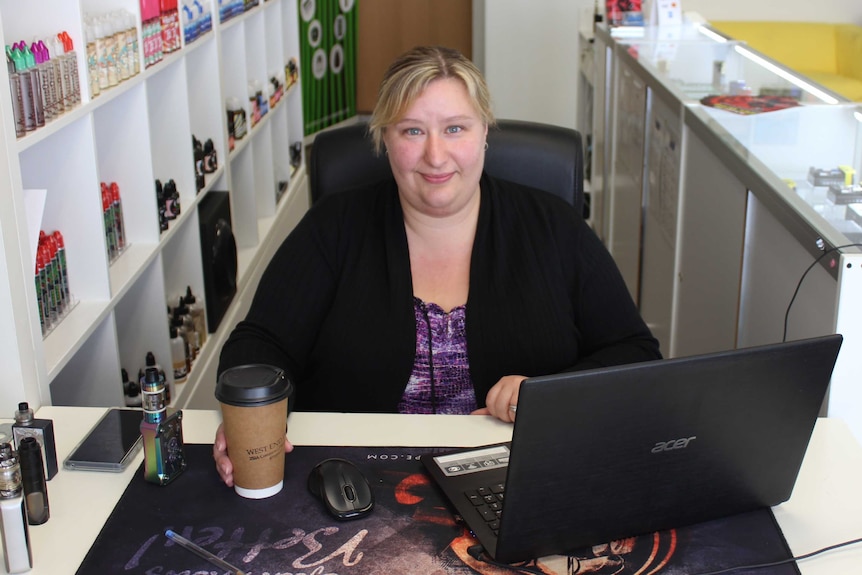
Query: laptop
{"points": [[617, 452]]}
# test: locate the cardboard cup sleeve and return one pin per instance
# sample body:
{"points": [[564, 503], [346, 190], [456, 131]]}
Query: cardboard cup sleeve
{"points": [[253, 402]]}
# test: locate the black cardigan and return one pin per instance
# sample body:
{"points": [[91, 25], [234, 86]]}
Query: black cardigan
{"points": [[334, 307]]}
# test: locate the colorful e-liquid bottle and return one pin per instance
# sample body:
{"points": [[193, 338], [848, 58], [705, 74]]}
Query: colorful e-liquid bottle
{"points": [[117, 211], [64, 271]]}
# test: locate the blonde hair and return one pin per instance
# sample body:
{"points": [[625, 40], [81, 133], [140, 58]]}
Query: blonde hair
{"points": [[412, 72]]}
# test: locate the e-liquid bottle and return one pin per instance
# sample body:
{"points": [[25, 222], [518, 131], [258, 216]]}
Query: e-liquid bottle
{"points": [[35, 85], [28, 110], [108, 220], [33, 481], [41, 293], [42, 430], [198, 315], [61, 262], [119, 222], [13, 517], [17, 96], [51, 294], [66, 47], [179, 359], [131, 390]]}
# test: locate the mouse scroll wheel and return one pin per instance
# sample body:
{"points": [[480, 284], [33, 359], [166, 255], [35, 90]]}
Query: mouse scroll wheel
{"points": [[349, 493]]}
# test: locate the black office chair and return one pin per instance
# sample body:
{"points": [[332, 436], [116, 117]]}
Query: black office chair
{"points": [[542, 156]]}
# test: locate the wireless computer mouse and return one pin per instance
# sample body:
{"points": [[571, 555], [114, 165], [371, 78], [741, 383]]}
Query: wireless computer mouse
{"points": [[343, 489]]}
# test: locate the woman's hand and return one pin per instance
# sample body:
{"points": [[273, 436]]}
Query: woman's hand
{"points": [[502, 398], [222, 461]]}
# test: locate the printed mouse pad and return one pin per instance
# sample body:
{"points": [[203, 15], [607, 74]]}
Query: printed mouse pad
{"points": [[410, 530]]}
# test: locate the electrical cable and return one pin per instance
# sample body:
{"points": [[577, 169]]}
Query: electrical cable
{"points": [[478, 553], [802, 278], [785, 561]]}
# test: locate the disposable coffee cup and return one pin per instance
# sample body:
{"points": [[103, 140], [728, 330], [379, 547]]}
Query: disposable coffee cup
{"points": [[253, 402]]}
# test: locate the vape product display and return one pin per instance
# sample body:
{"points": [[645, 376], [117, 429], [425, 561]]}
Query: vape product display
{"points": [[131, 389], [258, 104], [276, 87], [206, 160], [183, 316], [237, 126], [197, 312], [291, 73], [196, 19], [42, 430], [179, 356], [53, 297], [227, 9], [825, 177], [151, 26], [170, 23], [839, 194], [167, 203], [112, 215], [112, 49], [43, 79], [13, 517]]}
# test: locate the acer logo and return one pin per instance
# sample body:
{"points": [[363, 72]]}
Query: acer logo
{"points": [[681, 443]]}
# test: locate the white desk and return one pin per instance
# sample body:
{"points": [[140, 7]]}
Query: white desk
{"points": [[826, 506]]}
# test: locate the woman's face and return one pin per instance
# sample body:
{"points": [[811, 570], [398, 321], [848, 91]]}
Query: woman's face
{"points": [[437, 149]]}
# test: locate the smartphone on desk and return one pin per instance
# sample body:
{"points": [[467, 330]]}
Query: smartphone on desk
{"points": [[111, 444]]}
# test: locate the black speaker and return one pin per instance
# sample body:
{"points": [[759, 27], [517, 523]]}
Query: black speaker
{"points": [[218, 255]]}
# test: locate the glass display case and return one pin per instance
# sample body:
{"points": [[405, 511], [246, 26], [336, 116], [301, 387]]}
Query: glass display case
{"points": [[729, 196], [701, 64], [817, 152]]}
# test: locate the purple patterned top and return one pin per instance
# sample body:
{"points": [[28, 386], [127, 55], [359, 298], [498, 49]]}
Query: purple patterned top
{"points": [[442, 385]]}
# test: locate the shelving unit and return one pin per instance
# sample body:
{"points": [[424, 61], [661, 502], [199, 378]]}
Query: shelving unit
{"points": [[134, 133]]}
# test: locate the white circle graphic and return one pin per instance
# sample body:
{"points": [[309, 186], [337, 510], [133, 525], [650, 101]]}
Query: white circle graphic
{"points": [[339, 27], [318, 63], [307, 8], [336, 59], [315, 34]]}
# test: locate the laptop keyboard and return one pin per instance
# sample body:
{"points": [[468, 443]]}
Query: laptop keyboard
{"points": [[488, 503]]}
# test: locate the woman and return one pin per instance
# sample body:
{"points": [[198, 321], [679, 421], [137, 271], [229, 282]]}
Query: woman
{"points": [[440, 290]]}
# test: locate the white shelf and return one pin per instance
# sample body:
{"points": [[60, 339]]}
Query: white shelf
{"points": [[132, 134]]}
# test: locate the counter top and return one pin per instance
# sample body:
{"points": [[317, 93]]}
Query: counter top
{"points": [[823, 510]]}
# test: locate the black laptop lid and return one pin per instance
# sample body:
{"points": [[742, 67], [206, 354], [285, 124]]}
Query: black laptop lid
{"points": [[604, 454]]}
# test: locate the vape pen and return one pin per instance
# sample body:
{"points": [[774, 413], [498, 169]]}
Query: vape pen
{"points": [[13, 522], [164, 453], [33, 481]]}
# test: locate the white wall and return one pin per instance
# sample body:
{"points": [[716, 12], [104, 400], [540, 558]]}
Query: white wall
{"points": [[531, 57], [529, 51], [845, 11]]}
